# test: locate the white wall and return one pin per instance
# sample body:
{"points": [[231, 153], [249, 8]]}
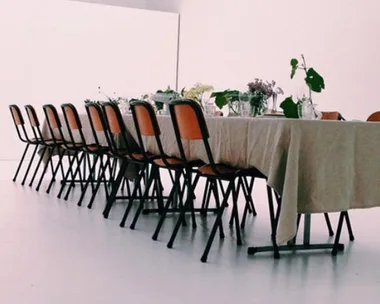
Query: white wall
{"points": [[61, 51], [230, 42]]}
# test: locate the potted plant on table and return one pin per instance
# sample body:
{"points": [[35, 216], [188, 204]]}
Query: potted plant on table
{"points": [[314, 82]]}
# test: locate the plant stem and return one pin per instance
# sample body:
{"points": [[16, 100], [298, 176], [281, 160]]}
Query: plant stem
{"points": [[305, 68]]}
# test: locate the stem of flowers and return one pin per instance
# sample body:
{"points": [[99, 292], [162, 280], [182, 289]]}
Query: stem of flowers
{"points": [[304, 67]]}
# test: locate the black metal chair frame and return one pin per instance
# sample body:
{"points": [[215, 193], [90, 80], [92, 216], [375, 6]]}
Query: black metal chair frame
{"points": [[23, 136], [177, 168], [126, 156], [90, 149], [47, 143], [236, 174], [65, 148]]}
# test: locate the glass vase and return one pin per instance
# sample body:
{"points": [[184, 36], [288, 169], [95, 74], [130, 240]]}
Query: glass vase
{"points": [[258, 110], [308, 110]]}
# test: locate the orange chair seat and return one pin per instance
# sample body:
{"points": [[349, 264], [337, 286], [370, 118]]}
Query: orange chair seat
{"points": [[171, 161], [46, 141], [69, 146], [207, 170], [225, 170], [97, 148]]}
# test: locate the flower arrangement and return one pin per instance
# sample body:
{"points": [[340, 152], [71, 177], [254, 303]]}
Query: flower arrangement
{"points": [[265, 88], [261, 91], [196, 92]]}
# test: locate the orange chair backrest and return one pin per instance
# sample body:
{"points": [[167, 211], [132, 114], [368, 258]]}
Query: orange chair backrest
{"points": [[71, 118], [113, 122], [32, 116], [330, 115], [52, 119], [95, 118], [374, 116], [17, 115], [188, 124], [144, 121]]}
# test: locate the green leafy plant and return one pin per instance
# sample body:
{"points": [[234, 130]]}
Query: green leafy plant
{"points": [[196, 92], [313, 80], [169, 91], [222, 98], [116, 100]]}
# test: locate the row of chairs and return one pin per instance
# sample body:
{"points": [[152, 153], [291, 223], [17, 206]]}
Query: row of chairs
{"points": [[106, 121]]}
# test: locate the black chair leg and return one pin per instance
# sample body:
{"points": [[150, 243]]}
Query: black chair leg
{"points": [[176, 186], [206, 197], [89, 180], [75, 173], [20, 163], [45, 149], [217, 223], [66, 176], [249, 189], [55, 171], [235, 212], [335, 249], [50, 155], [218, 206], [102, 179], [349, 228], [152, 177], [29, 166], [185, 207], [132, 198], [115, 188], [328, 223], [273, 221]]}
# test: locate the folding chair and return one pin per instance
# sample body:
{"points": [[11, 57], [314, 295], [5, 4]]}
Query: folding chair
{"points": [[19, 123], [146, 126], [121, 149], [66, 147], [97, 151], [190, 125]]}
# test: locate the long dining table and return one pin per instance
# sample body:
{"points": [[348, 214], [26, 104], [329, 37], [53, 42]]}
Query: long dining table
{"points": [[316, 166]]}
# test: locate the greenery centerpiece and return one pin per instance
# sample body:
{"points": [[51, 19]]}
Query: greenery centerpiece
{"points": [[260, 91], [122, 102], [314, 82], [163, 97], [115, 99], [197, 92], [227, 97]]}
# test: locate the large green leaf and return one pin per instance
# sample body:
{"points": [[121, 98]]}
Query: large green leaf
{"points": [[290, 108], [224, 97], [294, 64], [315, 81], [221, 101]]}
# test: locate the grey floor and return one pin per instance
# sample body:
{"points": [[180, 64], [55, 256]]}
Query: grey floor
{"points": [[55, 252]]}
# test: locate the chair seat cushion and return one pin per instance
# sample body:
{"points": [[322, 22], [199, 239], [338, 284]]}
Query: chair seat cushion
{"points": [[170, 160], [222, 169], [230, 171], [97, 149]]}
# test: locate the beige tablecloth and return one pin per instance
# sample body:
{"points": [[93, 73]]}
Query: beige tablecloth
{"points": [[316, 166]]}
